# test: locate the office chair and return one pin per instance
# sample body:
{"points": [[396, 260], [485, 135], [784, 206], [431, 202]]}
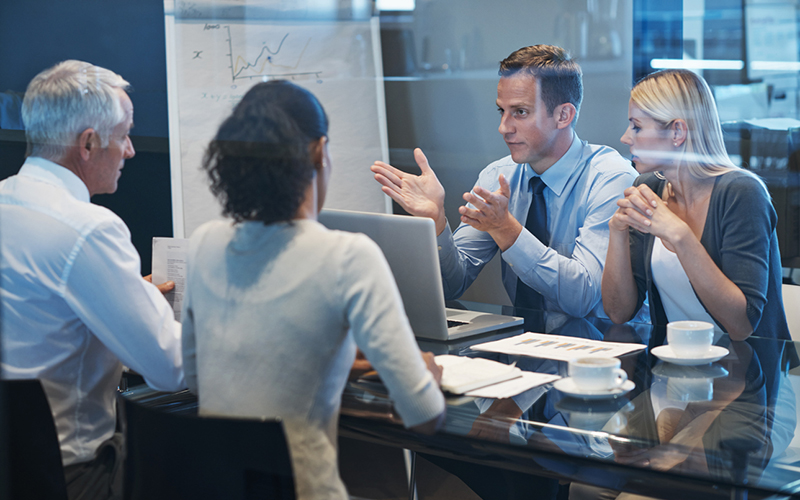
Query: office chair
{"points": [[34, 456], [173, 457], [791, 304]]}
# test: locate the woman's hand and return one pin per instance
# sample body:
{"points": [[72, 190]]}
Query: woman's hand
{"points": [[430, 363], [645, 211], [634, 210]]}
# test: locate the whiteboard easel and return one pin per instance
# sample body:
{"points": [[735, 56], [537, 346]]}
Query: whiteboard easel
{"points": [[211, 63]]}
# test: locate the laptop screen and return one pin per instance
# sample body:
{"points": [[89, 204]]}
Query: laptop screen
{"points": [[409, 244]]}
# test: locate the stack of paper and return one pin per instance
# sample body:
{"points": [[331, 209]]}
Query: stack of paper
{"points": [[511, 388], [463, 374], [486, 378]]}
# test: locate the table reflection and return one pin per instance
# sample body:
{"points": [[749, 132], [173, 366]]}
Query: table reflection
{"points": [[730, 422]]}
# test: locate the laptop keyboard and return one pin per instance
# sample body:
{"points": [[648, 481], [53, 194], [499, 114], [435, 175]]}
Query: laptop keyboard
{"points": [[453, 323]]}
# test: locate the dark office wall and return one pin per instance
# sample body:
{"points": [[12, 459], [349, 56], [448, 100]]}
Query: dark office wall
{"points": [[128, 38]]}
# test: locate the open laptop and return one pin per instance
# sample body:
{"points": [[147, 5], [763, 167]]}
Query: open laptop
{"points": [[409, 244]]}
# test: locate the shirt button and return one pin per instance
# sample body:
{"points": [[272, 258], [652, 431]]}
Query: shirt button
{"points": [[440, 248]]}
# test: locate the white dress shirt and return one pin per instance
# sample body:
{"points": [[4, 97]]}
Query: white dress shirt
{"points": [[74, 305]]}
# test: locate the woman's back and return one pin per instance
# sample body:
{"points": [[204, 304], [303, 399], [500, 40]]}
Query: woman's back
{"points": [[272, 308]]}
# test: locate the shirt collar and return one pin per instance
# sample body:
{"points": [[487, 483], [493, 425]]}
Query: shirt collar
{"points": [[558, 174], [55, 174]]}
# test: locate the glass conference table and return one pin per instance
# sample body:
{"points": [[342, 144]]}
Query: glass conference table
{"points": [[719, 430]]}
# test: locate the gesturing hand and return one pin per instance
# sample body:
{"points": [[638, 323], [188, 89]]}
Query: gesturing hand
{"points": [[491, 213], [421, 195]]}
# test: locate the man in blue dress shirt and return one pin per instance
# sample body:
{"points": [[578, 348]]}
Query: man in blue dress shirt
{"points": [[561, 260]]}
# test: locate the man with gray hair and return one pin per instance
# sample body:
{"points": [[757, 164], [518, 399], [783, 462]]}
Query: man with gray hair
{"points": [[73, 303]]}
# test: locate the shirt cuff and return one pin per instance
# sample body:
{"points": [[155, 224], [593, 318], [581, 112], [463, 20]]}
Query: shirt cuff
{"points": [[525, 253], [445, 240], [446, 246], [422, 406]]}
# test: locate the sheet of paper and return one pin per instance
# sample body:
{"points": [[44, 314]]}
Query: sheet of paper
{"points": [[169, 264], [558, 347], [511, 388], [463, 374]]}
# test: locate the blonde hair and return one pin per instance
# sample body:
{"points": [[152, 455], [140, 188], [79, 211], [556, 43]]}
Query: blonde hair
{"points": [[674, 94]]}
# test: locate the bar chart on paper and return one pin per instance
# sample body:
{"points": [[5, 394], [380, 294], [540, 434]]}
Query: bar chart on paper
{"points": [[217, 61], [558, 347]]}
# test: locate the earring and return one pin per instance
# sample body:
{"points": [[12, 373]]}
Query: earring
{"points": [[675, 144]]}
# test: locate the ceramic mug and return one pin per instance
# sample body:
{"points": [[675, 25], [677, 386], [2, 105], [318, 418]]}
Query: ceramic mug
{"points": [[690, 339], [597, 374], [690, 390]]}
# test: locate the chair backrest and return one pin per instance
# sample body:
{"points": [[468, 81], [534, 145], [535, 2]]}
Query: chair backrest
{"points": [[791, 304], [174, 456], [34, 456]]}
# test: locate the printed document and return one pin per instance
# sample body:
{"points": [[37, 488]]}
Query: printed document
{"points": [[558, 347], [169, 264]]}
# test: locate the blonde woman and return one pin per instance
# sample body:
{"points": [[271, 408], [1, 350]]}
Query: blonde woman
{"points": [[695, 233]]}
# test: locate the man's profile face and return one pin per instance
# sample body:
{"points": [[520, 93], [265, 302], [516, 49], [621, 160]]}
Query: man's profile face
{"points": [[107, 162], [526, 126]]}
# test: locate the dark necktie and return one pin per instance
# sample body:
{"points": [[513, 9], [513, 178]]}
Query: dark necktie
{"points": [[527, 297]]}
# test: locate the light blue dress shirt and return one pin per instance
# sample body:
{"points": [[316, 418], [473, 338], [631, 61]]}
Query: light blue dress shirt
{"points": [[583, 187]]}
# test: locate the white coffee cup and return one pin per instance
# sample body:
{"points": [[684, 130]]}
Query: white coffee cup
{"points": [[690, 339], [596, 374], [595, 421], [690, 390]]}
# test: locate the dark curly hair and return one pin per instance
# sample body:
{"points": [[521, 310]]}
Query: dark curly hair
{"points": [[559, 77], [260, 163]]}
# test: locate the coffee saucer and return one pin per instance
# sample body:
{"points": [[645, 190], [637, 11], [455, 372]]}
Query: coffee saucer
{"points": [[714, 353], [670, 370], [567, 386]]}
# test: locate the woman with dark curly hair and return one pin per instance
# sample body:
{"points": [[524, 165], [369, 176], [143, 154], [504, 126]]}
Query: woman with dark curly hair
{"points": [[275, 304]]}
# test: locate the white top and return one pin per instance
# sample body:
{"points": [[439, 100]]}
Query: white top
{"points": [[272, 317], [677, 295], [74, 305]]}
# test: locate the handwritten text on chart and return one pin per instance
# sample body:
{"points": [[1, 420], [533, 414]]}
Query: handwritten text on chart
{"points": [[221, 97]]}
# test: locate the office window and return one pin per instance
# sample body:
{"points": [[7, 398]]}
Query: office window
{"points": [[394, 5], [748, 53]]}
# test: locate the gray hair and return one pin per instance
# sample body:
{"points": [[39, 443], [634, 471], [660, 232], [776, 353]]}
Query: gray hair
{"points": [[63, 101]]}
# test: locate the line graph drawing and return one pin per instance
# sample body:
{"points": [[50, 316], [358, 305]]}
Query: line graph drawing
{"points": [[266, 58], [236, 54]]}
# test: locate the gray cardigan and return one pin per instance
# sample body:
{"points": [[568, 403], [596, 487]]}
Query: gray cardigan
{"points": [[740, 237]]}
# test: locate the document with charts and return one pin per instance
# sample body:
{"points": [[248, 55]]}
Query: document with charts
{"points": [[558, 347]]}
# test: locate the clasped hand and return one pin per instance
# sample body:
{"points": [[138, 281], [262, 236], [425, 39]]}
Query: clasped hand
{"points": [[645, 211]]}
